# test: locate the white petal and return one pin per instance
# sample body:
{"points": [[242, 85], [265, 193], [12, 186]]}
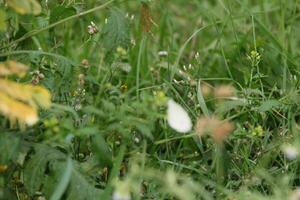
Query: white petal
{"points": [[178, 118], [290, 152], [118, 196]]}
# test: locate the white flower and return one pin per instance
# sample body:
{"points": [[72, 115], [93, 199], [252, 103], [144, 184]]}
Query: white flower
{"points": [[119, 196], [163, 53], [178, 118], [290, 152]]}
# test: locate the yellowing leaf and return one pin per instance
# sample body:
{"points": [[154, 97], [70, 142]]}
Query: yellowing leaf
{"points": [[12, 67], [17, 111], [25, 6]]}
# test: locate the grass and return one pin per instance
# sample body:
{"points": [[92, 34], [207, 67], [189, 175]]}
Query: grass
{"points": [[111, 132]]}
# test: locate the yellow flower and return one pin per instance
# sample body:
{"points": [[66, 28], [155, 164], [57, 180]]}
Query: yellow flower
{"points": [[19, 102], [17, 111], [12, 67]]}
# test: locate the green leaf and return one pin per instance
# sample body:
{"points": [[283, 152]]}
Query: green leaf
{"points": [[9, 146], [2, 21], [227, 106], [25, 6], [81, 189], [101, 148], [268, 105], [48, 167], [34, 173], [61, 12], [116, 31], [61, 187]]}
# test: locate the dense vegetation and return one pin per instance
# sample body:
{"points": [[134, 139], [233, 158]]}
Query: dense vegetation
{"points": [[149, 99]]}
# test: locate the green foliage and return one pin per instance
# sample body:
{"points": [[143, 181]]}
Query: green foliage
{"points": [[46, 167], [2, 21], [9, 145], [61, 12], [107, 134], [116, 32]]}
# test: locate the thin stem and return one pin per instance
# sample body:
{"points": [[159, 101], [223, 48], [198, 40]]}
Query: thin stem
{"points": [[35, 32]]}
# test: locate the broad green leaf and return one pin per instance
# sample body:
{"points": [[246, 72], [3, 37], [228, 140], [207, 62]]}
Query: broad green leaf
{"points": [[116, 31], [268, 105], [2, 21], [34, 172], [65, 179], [25, 6], [81, 189], [61, 12], [48, 167], [101, 148], [9, 146]]}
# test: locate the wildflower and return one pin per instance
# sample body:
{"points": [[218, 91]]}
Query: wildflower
{"points": [[197, 56], [119, 196], [162, 53], [178, 118], [123, 88], [12, 67], [217, 129], [36, 77], [295, 194], [81, 79], [206, 89], [121, 51], [290, 152], [222, 131], [254, 57], [85, 63], [17, 111], [159, 98], [258, 131], [92, 28], [224, 91], [122, 191]]}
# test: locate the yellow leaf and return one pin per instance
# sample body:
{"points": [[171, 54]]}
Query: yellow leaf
{"points": [[17, 111], [25, 6], [12, 67]]}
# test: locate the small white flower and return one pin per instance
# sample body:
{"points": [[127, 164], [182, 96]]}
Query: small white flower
{"points": [[119, 196], [163, 53], [178, 118], [290, 152]]}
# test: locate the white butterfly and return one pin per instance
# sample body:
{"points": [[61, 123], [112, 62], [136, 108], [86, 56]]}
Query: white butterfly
{"points": [[178, 118]]}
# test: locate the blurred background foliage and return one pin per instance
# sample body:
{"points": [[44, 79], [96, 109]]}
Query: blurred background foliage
{"points": [[110, 66]]}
